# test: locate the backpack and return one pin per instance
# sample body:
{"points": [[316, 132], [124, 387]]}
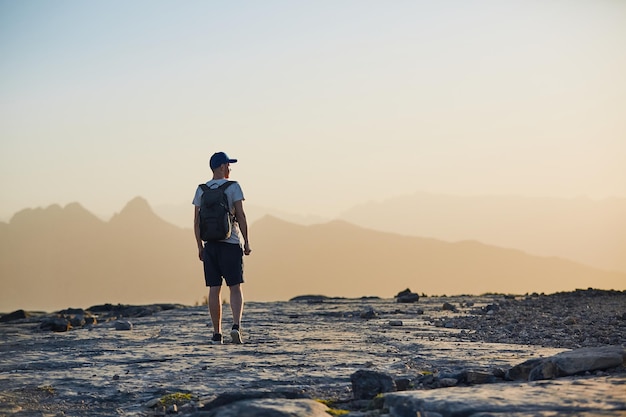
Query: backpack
{"points": [[216, 221]]}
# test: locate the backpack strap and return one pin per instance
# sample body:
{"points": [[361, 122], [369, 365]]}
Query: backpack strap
{"points": [[223, 187], [226, 185]]}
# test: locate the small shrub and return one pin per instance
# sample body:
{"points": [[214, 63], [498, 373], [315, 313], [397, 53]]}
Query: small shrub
{"points": [[177, 398], [332, 411], [336, 412]]}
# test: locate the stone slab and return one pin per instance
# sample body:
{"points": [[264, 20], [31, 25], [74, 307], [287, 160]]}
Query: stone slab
{"points": [[566, 396]]}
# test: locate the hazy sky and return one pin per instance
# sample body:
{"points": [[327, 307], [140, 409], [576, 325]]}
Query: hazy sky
{"points": [[326, 104]]}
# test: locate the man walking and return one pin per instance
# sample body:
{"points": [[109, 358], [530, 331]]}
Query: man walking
{"points": [[223, 259]]}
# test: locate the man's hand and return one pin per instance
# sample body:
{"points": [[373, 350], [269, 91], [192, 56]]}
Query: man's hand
{"points": [[200, 251], [246, 249]]}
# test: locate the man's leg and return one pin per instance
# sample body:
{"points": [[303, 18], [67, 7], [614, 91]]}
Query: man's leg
{"points": [[215, 308], [236, 303]]}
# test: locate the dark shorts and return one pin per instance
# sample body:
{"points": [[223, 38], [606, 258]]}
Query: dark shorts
{"points": [[222, 260]]}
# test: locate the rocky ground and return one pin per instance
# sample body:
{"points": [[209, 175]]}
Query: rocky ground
{"points": [[563, 320], [153, 360]]}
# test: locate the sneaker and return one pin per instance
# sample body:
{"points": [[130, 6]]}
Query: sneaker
{"points": [[235, 333], [217, 339]]}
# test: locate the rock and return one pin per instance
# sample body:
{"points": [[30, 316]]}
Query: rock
{"points": [[232, 397], [448, 382], [123, 325], [55, 324], [72, 311], [477, 377], [562, 320], [544, 370], [407, 296], [16, 315], [90, 320], [491, 308], [395, 323], [77, 317], [153, 402], [366, 384], [77, 321], [368, 314], [448, 307], [588, 359], [568, 363], [269, 407], [310, 298], [187, 408], [122, 310], [521, 371], [589, 397], [499, 373], [403, 384]]}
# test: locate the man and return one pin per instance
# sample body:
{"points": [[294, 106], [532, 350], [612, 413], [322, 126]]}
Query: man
{"points": [[224, 259]]}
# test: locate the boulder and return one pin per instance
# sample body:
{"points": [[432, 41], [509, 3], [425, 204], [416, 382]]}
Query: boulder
{"points": [[368, 314], [72, 311], [272, 407], [521, 372], [478, 377], [448, 382], [77, 320], [448, 307], [233, 397], [490, 307], [568, 363], [55, 324], [366, 384], [313, 299], [123, 325], [407, 296], [122, 310], [588, 359], [16, 315], [592, 397]]}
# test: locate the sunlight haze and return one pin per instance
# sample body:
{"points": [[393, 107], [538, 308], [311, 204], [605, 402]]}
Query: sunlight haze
{"points": [[325, 104], [449, 147]]}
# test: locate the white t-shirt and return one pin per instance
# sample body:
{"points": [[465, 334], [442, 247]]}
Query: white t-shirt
{"points": [[233, 194]]}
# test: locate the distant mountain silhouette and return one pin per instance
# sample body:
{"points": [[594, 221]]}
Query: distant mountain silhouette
{"points": [[59, 257], [588, 231], [592, 232], [341, 259]]}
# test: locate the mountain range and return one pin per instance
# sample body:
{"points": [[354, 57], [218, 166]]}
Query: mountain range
{"points": [[57, 257], [592, 232]]}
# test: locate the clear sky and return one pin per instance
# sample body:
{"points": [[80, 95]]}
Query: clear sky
{"points": [[327, 104]]}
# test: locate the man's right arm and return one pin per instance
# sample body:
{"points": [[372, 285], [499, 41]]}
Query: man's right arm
{"points": [[196, 229]]}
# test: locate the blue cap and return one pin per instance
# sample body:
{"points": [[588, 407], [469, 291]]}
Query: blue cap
{"points": [[220, 158]]}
